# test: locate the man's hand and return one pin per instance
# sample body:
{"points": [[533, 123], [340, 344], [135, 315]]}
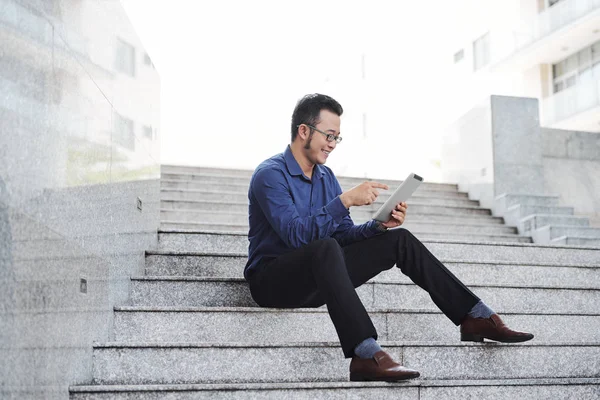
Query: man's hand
{"points": [[397, 217], [362, 195]]}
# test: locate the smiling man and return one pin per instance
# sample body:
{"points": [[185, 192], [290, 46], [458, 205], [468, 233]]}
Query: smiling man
{"points": [[305, 250]]}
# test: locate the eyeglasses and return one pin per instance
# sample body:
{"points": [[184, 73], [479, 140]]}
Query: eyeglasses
{"points": [[330, 137]]}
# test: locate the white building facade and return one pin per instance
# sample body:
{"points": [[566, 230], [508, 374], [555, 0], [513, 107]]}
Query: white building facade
{"points": [[544, 49]]}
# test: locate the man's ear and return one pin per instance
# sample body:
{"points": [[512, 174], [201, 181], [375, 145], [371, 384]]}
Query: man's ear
{"points": [[303, 132]]}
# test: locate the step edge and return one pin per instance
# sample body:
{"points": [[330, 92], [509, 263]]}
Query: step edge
{"points": [[334, 385]]}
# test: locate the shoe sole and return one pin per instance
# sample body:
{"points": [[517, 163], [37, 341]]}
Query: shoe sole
{"points": [[361, 378], [466, 337]]}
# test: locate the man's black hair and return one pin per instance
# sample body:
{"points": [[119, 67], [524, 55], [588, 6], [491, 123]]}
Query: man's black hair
{"points": [[309, 108]]}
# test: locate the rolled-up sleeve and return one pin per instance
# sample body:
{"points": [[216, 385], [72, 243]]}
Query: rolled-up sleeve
{"points": [[347, 232], [270, 189]]}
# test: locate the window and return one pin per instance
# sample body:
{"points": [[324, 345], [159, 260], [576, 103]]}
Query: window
{"points": [[148, 60], [363, 65], [481, 52], [364, 125], [147, 132], [576, 68], [125, 58], [123, 131], [596, 51], [458, 56]]}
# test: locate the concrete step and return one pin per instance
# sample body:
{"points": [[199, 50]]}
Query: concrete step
{"points": [[208, 190], [188, 169], [516, 213], [459, 251], [500, 273], [170, 185], [345, 183], [503, 202], [223, 292], [415, 227], [532, 222], [485, 389], [248, 325], [182, 199], [545, 234], [468, 237], [576, 241], [425, 207], [413, 224], [225, 213], [577, 231], [147, 363], [223, 226]]}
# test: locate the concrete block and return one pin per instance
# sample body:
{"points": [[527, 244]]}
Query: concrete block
{"points": [[178, 184], [240, 224], [577, 231], [536, 221], [506, 200], [190, 241], [346, 183], [515, 213], [231, 266], [576, 241], [229, 214], [469, 237], [524, 299], [145, 363], [450, 250], [505, 362], [291, 391], [183, 169], [169, 196], [575, 388], [206, 242], [200, 292], [260, 325], [506, 274]]}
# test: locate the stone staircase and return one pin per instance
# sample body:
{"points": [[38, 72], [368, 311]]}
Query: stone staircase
{"points": [[191, 330], [541, 218]]}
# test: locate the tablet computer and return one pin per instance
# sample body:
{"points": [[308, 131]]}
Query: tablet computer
{"points": [[404, 191]]}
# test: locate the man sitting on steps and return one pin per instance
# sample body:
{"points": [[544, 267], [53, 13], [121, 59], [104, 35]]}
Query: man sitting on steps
{"points": [[305, 250]]}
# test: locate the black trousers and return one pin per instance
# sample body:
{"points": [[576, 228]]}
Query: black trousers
{"points": [[323, 272]]}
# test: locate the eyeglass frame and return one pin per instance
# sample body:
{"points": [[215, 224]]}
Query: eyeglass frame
{"points": [[337, 139]]}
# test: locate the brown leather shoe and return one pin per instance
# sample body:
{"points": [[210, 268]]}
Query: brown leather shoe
{"points": [[492, 328], [379, 368]]}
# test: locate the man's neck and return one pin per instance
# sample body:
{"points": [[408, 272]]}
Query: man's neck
{"points": [[306, 166]]}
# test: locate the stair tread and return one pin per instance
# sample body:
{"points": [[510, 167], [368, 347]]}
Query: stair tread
{"points": [[443, 241], [183, 278], [187, 309], [168, 345], [342, 384], [443, 260]]}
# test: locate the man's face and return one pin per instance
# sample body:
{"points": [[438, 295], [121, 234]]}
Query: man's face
{"points": [[316, 147]]}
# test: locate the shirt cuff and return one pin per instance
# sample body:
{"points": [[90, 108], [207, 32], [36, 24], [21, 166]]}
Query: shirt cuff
{"points": [[336, 209], [374, 226]]}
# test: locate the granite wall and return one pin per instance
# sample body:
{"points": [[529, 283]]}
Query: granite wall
{"points": [[79, 184]]}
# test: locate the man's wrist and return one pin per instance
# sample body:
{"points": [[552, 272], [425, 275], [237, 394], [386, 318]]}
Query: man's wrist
{"points": [[345, 201]]}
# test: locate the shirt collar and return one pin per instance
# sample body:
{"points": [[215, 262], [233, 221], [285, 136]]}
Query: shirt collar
{"points": [[294, 168]]}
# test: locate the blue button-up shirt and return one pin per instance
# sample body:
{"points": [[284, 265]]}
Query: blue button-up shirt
{"points": [[288, 210]]}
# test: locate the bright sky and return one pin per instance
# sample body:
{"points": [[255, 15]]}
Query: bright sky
{"points": [[232, 70]]}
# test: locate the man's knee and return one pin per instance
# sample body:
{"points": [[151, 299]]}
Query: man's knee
{"points": [[328, 254], [327, 244], [400, 233]]}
